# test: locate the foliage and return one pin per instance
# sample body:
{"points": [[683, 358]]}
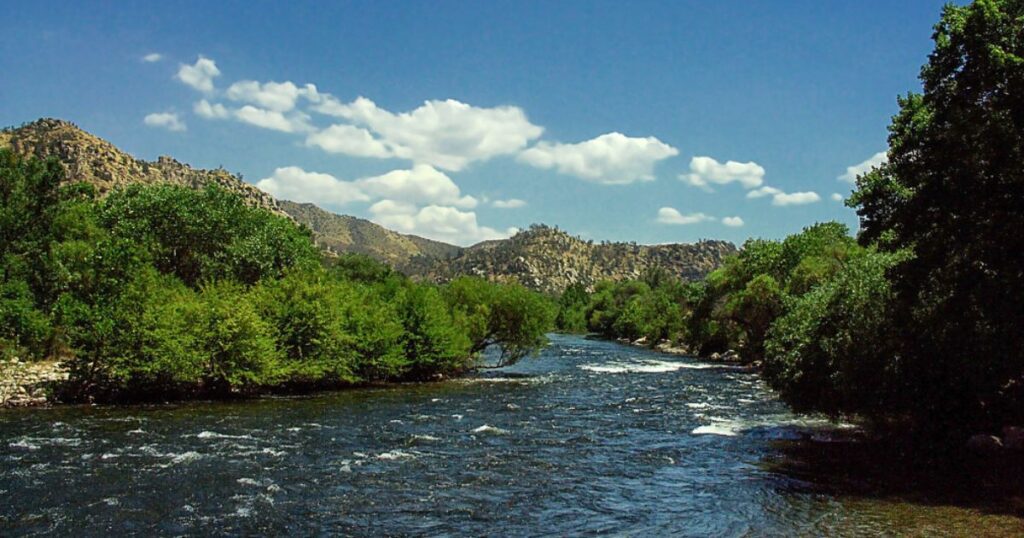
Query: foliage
{"points": [[832, 350], [572, 305], [951, 192], [209, 234], [162, 291], [505, 314]]}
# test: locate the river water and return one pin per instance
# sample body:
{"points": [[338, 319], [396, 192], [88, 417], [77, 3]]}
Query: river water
{"points": [[590, 437]]}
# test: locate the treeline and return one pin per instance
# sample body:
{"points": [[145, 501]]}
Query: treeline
{"points": [[743, 305], [163, 291], [918, 323]]}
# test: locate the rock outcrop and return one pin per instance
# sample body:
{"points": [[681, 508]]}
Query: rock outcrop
{"points": [[88, 158], [550, 260], [28, 383]]}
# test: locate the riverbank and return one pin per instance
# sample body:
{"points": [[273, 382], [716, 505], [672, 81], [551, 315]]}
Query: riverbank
{"points": [[664, 346], [24, 384]]}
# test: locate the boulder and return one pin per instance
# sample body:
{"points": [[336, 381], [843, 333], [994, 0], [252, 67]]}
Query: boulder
{"points": [[984, 444], [1013, 437]]}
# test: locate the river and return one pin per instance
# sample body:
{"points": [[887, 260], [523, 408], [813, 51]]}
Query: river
{"points": [[590, 437]]}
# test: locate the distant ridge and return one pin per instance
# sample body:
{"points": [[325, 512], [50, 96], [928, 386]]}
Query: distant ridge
{"points": [[548, 259], [344, 233], [541, 257]]}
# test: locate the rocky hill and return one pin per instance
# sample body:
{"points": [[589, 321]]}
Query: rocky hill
{"points": [[549, 260], [541, 257], [344, 233], [89, 158]]}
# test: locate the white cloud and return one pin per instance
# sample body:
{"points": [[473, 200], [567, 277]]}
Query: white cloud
{"points": [[294, 183], [853, 171], [205, 109], [423, 184], [732, 222], [764, 191], [165, 120], [836, 197], [420, 186], [153, 57], [781, 198], [440, 223], [796, 198], [276, 96], [610, 159], [272, 119], [199, 75], [349, 140], [705, 170], [511, 203], [445, 134], [668, 215]]}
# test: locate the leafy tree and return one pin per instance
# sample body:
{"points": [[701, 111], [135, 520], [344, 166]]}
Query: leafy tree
{"points": [[207, 234], [833, 350], [951, 192], [433, 343], [508, 315], [572, 305]]}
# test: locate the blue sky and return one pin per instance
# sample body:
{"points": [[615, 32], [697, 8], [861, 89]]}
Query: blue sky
{"points": [[462, 120]]}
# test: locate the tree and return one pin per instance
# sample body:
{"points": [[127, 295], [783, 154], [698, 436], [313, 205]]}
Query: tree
{"points": [[207, 234], [508, 315], [951, 191]]}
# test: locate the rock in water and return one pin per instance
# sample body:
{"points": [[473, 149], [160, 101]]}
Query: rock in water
{"points": [[984, 444]]}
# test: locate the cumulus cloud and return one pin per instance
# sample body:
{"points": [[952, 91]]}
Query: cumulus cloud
{"points": [[836, 197], [609, 159], [764, 191], [349, 140], [423, 184], [276, 96], [705, 171], [732, 222], [199, 75], [295, 184], [440, 223], [782, 198], [669, 215], [796, 198], [165, 120], [420, 186], [153, 57], [511, 203], [446, 134], [294, 122], [853, 171], [210, 111]]}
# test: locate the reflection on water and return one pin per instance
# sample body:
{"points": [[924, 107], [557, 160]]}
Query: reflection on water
{"points": [[589, 438]]}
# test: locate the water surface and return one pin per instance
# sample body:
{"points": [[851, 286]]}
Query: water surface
{"points": [[588, 438]]}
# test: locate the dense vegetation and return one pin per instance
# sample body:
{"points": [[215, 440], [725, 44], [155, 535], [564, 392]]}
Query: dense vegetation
{"points": [[158, 291], [919, 321], [732, 309]]}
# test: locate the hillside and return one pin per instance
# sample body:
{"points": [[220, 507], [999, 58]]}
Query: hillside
{"points": [[344, 233], [91, 159], [549, 259], [541, 257]]}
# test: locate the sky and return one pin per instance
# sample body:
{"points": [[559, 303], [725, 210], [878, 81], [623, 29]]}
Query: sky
{"points": [[652, 122]]}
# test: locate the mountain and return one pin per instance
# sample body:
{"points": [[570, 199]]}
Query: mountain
{"points": [[344, 233], [549, 260], [541, 257], [91, 159]]}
